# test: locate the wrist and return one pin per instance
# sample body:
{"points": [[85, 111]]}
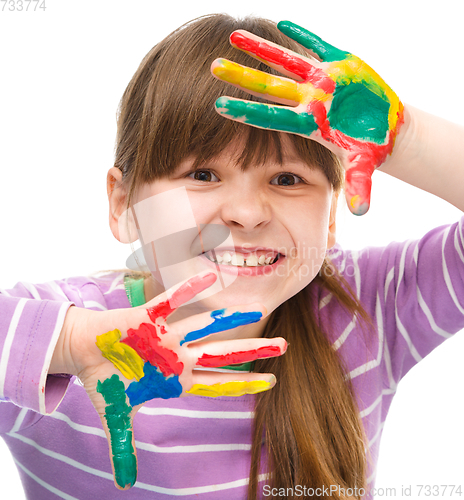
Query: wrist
{"points": [[62, 360], [407, 143]]}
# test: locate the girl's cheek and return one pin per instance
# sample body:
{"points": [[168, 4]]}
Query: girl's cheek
{"points": [[204, 206]]}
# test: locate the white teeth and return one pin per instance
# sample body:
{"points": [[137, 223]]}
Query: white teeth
{"points": [[236, 259], [252, 260]]}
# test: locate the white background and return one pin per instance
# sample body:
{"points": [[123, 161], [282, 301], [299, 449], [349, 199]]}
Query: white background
{"points": [[63, 73]]}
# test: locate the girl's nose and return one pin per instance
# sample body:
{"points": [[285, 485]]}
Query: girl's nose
{"points": [[246, 209]]}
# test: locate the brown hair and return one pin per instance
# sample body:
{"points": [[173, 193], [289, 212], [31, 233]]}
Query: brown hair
{"points": [[310, 420]]}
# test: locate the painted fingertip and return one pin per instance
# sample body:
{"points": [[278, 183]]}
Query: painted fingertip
{"points": [[233, 389], [284, 350], [125, 472], [256, 307], [217, 65], [222, 103], [272, 382], [206, 279], [356, 206], [285, 25], [238, 38]]}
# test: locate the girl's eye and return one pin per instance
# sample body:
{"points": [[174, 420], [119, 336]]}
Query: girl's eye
{"points": [[286, 180], [204, 176]]}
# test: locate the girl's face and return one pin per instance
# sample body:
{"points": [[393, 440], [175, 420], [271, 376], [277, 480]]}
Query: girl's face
{"points": [[273, 211]]}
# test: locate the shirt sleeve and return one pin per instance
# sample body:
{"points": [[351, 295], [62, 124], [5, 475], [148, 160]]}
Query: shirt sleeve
{"points": [[415, 292], [31, 320]]}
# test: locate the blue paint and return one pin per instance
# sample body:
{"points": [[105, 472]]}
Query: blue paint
{"points": [[222, 323], [153, 385]]}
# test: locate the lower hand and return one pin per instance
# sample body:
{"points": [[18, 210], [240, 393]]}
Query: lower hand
{"points": [[125, 357]]}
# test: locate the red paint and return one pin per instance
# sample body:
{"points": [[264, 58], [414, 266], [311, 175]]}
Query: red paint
{"points": [[146, 343], [291, 62], [161, 310], [183, 294], [235, 358], [317, 109], [365, 156]]}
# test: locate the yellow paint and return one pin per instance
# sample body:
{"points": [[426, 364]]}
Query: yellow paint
{"points": [[353, 69], [309, 93], [257, 81], [237, 388], [354, 200], [123, 357]]}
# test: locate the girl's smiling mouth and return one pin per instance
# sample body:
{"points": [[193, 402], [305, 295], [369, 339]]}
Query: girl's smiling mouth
{"points": [[244, 262]]}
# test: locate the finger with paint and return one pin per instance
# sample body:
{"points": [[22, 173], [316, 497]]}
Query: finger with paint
{"points": [[117, 423], [157, 360], [169, 361], [333, 97]]}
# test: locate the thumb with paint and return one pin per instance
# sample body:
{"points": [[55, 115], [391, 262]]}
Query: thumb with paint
{"points": [[117, 423]]}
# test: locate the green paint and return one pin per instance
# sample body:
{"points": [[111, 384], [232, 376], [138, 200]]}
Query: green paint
{"points": [[324, 50], [117, 414], [359, 113], [267, 116], [360, 74]]}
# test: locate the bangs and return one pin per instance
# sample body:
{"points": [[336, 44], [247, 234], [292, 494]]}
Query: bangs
{"points": [[167, 112]]}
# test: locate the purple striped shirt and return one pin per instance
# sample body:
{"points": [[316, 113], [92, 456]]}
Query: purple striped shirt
{"points": [[199, 447]]}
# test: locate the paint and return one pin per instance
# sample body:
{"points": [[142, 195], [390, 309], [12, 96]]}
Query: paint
{"points": [[357, 112], [291, 62], [145, 341], [323, 50], [215, 361], [123, 357], [153, 385], [256, 81], [267, 116], [117, 415], [355, 70], [236, 388], [221, 323], [183, 294]]}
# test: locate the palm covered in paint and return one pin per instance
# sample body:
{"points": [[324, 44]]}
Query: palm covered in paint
{"points": [[145, 358], [336, 99]]}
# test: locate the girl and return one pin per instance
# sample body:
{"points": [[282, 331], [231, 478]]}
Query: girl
{"points": [[352, 336]]}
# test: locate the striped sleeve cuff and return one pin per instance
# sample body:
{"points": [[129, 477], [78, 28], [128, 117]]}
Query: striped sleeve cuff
{"points": [[26, 352]]}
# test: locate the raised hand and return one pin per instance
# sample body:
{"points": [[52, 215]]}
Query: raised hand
{"points": [[334, 98], [145, 358]]}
